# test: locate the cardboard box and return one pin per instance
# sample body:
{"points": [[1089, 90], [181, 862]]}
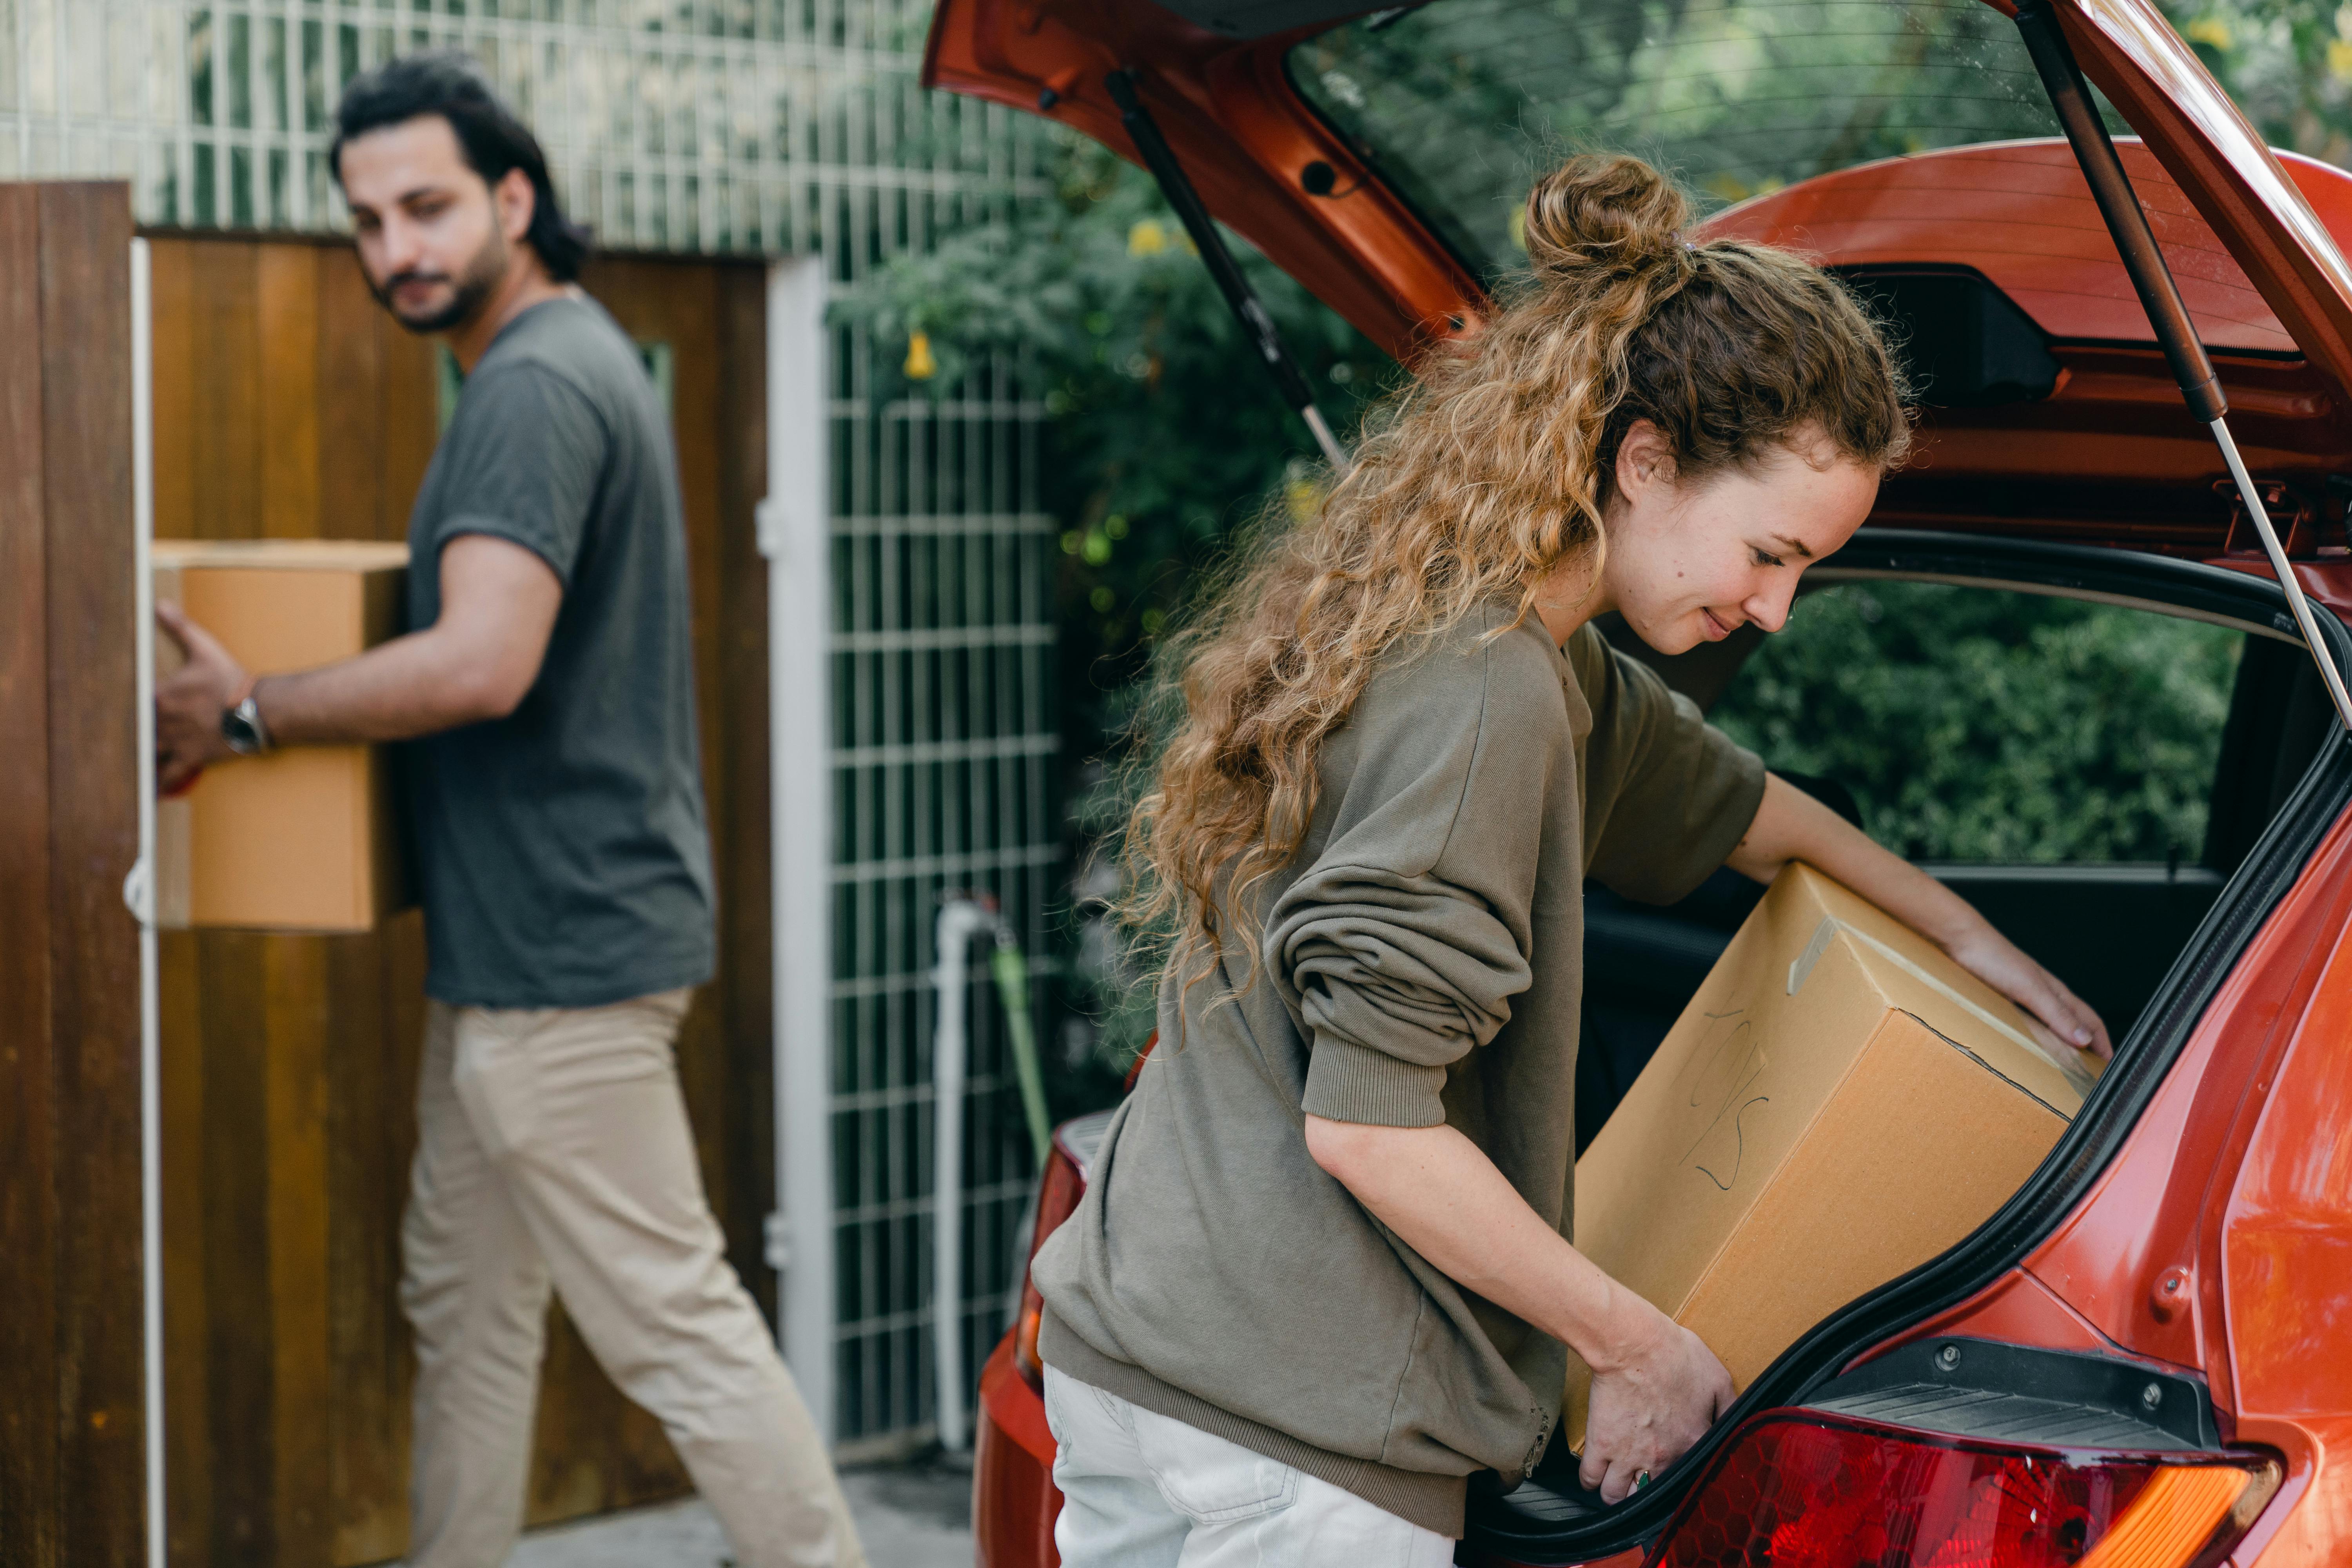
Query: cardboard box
{"points": [[306, 839], [1839, 1103]]}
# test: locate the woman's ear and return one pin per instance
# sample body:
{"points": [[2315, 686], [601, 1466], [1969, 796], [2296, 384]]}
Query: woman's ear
{"points": [[1646, 462]]}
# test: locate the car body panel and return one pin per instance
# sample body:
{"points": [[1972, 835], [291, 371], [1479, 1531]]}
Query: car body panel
{"points": [[1013, 1501], [1243, 135]]}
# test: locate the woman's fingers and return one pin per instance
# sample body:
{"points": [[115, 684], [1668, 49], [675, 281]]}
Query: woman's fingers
{"points": [[2063, 1012], [2003, 966]]}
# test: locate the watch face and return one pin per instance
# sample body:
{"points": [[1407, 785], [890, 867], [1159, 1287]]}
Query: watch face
{"points": [[238, 731]]}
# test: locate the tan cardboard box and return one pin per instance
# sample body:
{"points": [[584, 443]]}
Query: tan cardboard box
{"points": [[304, 839], [1838, 1104]]}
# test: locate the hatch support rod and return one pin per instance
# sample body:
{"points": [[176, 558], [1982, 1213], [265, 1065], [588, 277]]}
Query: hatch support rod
{"points": [[2144, 261], [1240, 298]]}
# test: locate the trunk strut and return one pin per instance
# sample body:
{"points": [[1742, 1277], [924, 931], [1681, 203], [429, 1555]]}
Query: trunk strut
{"points": [[1240, 298], [2144, 261]]}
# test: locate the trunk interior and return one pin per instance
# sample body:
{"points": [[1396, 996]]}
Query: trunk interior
{"points": [[2136, 931]]}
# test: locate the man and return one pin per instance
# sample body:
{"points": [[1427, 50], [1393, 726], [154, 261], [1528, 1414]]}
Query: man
{"points": [[546, 693]]}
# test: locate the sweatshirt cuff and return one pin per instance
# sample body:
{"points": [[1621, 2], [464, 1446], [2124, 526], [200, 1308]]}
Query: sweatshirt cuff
{"points": [[1348, 1082]]}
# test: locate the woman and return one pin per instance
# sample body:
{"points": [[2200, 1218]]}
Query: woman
{"points": [[1322, 1272]]}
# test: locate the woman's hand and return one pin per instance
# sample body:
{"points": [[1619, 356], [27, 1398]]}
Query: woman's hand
{"points": [[2001, 964], [1650, 1404], [1793, 826], [1656, 1388]]}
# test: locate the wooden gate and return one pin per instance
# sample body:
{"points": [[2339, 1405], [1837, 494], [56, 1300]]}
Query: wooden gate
{"points": [[287, 404], [72, 1433]]}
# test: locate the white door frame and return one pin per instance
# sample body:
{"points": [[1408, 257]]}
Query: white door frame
{"points": [[795, 530]]}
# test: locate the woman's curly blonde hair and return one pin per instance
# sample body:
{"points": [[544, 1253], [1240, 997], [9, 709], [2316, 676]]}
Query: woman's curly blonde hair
{"points": [[1470, 485]]}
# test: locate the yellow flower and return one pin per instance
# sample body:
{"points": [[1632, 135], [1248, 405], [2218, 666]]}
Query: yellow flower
{"points": [[1146, 237], [2339, 60], [2210, 30], [920, 365]]}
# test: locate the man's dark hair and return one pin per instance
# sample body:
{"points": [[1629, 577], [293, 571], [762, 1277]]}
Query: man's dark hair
{"points": [[493, 139]]}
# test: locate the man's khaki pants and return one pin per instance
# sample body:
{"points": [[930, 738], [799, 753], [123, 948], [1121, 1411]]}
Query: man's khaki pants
{"points": [[553, 1150]]}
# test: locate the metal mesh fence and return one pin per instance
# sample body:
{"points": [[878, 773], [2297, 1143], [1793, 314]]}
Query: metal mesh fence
{"points": [[718, 127]]}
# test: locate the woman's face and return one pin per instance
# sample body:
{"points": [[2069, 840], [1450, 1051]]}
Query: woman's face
{"points": [[1693, 564]]}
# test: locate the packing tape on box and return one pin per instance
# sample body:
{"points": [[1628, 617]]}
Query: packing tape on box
{"points": [[1827, 932]]}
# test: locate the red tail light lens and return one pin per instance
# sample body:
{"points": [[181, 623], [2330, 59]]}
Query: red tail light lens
{"points": [[1057, 1197], [1797, 1490]]}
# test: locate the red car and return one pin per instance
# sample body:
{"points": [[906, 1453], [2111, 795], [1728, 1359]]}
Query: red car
{"points": [[2145, 1358]]}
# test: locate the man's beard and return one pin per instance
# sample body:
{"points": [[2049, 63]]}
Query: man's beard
{"points": [[473, 289]]}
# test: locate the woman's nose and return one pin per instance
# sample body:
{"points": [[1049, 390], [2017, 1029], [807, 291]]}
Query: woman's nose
{"points": [[1769, 608]]}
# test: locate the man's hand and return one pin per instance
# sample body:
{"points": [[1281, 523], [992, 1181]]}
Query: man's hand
{"points": [[1650, 1407], [190, 701], [477, 662]]}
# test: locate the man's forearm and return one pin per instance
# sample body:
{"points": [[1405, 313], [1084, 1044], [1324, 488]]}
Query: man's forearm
{"points": [[1449, 1203], [414, 685]]}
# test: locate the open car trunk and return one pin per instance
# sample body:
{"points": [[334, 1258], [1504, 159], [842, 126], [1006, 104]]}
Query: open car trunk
{"points": [[2056, 460]]}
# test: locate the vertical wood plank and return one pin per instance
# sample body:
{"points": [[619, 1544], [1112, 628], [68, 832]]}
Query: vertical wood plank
{"points": [[288, 324], [295, 1078], [85, 280], [187, 1331], [28, 1328], [351, 413], [240, 1326], [224, 430], [369, 1101], [170, 281]]}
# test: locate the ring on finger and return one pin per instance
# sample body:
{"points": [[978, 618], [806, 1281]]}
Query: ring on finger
{"points": [[1640, 1479]]}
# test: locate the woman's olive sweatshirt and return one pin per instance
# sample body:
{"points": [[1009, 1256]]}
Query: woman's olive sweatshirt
{"points": [[1423, 961]]}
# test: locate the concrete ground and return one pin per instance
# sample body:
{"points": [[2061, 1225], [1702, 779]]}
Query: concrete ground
{"points": [[913, 1515]]}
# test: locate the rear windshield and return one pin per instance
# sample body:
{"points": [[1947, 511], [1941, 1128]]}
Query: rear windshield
{"points": [[1462, 103]]}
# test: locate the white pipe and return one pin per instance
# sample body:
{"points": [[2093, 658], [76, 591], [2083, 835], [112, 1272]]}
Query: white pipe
{"points": [[139, 893], [960, 920], [795, 530], [2292, 587]]}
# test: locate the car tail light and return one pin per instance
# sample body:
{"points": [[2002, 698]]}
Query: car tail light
{"points": [[1797, 1489], [1057, 1196]]}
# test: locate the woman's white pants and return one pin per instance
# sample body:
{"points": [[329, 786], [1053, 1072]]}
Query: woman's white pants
{"points": [[1140, 1491]]}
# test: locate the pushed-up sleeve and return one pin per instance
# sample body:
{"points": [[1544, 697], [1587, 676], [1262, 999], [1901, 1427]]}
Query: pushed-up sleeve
{"points": [[1667, 795], [522, 462], [1400, 948]]}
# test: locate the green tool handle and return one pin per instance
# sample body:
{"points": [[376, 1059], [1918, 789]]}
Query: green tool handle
{"points": [[1011, 967]]}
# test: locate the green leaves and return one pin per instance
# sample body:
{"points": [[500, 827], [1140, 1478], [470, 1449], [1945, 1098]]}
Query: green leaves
{"points": [[1165, 429], [1987, 726]]}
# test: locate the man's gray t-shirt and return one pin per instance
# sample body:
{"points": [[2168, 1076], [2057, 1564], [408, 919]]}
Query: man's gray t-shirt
{"points": [[565, 856]]}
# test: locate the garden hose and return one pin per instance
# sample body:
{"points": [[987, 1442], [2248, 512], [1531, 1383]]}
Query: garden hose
{"points": [[1011, 967]]}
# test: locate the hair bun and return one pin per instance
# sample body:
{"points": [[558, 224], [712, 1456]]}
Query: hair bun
{"points": [[1603, 211]]}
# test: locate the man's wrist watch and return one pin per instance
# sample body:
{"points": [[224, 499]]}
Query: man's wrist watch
{"points": [[242, 728]]}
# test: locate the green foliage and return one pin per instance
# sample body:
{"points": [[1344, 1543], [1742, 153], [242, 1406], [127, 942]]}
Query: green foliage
{"points": [[2288, 64], [1976, 725], [1165, 429], [1468, 101]]}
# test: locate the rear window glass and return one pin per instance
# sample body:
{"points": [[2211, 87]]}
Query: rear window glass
{"points": [[1985, 725], [1460, 104]]}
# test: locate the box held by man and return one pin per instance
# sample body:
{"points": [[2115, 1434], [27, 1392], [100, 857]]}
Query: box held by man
{"points": [[306, 839]]}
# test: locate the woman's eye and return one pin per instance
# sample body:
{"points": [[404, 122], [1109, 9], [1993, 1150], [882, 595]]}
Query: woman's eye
{"points": [[1764, 559]]}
